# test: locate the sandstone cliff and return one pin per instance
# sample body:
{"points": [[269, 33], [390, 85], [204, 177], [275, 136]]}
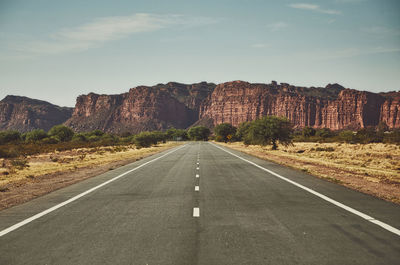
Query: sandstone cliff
{"points": [[25, 114], [142, 108], [181, 106], [331, 107]]}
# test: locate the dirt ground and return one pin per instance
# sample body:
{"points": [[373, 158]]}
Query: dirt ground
{"points": [[37, 175], [369, 168]]}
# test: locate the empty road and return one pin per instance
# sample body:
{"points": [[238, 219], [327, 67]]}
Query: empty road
{"points": [[202, 204]]}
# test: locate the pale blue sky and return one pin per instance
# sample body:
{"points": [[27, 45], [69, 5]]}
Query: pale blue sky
{"points": [[57, 50]]}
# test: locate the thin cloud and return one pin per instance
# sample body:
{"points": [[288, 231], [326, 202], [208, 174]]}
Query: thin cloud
{"points": [[107, 29], [315, 8], [381, 31], [277, 26]]}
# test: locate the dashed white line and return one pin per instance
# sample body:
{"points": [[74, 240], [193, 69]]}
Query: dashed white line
{"points": [[36, 216], [197, 168], [197, 176], [326, 198], [196, 212], [196, 188]]}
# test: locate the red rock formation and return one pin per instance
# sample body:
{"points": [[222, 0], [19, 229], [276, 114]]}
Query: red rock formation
{"points": [[142, 108], [25, 114], [180, 106], [331, 107]]}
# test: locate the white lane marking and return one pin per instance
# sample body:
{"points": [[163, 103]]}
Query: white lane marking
{"points": [[197, 176], [197, 168], [36, 216], [196, 212], [198, 163], [196, 188], [326, 198]]}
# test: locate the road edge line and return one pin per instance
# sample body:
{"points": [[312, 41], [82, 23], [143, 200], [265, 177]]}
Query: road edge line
{"points": [[76, 197], [320, 195]]}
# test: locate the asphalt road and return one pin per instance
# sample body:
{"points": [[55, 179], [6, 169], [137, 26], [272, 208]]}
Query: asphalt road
{"points": [[238, 214]]}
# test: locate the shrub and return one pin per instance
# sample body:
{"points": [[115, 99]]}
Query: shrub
{"points": [[35, 135], [224, 132], [242, 130], [62, 132], [308, 131], [199, 133], [9, 136], [144, 139]]}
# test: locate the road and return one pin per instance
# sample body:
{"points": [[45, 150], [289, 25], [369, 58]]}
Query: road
{"points": [[200, 204]]}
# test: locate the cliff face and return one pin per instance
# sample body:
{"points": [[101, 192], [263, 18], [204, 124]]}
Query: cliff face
{"points": [[181, 106], [331, 107], [142, 108], [25, 114]]}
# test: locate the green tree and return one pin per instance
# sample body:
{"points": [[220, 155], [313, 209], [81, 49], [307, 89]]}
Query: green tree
{"points": [[35, 135], [62, 132], [199, 133], [324, 133], [347, 136], [270, 130], [224, 132]]}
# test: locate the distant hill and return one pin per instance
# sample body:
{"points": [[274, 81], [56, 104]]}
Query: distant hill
{"points": [[25, 114], [183, 105]]}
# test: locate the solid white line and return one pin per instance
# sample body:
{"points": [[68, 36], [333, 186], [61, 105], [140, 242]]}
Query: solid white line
{"points": [[36, 216], [326, 198], [196, 212], [196, 188], [197, 176]]}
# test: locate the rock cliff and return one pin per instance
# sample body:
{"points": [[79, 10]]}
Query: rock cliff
{"points": [[181, 106], [331, 107], [142, 108], [25, 114]]}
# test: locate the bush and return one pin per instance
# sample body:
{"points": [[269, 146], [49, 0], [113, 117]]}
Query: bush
{"points": [[392, 137], [324, 133], [308, 132], [199, 133], [9, 136], [242, 130], [144, 139], [79, 137], [35, 135], [62, 132], [224, 132], [347, 136]]}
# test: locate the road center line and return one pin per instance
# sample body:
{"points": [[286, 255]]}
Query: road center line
{"points": [[196, 212], [196, 188], [36, 216], [197, 176], [326, 198]]}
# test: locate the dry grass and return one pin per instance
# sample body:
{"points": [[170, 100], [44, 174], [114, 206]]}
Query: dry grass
{"points": [[369, 168], [25, 179], [38, 165]]}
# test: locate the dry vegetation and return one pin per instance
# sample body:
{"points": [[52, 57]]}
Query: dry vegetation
{"points": [[370, 168], [25, 178]]}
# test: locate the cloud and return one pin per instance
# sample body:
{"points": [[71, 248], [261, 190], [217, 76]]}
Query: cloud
{"points": [[315, 8], [107, 29], [277, 26]]}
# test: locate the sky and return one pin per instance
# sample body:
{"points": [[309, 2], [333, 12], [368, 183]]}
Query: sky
{"points": [[57, 50]]}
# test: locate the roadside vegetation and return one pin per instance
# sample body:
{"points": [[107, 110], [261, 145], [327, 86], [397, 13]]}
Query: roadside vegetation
{"points": [[367, 160]]}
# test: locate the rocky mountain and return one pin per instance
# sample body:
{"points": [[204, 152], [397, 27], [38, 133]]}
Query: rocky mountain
{"points": [[331, 107], [142, 108], [181, 106], [25, 114]]}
